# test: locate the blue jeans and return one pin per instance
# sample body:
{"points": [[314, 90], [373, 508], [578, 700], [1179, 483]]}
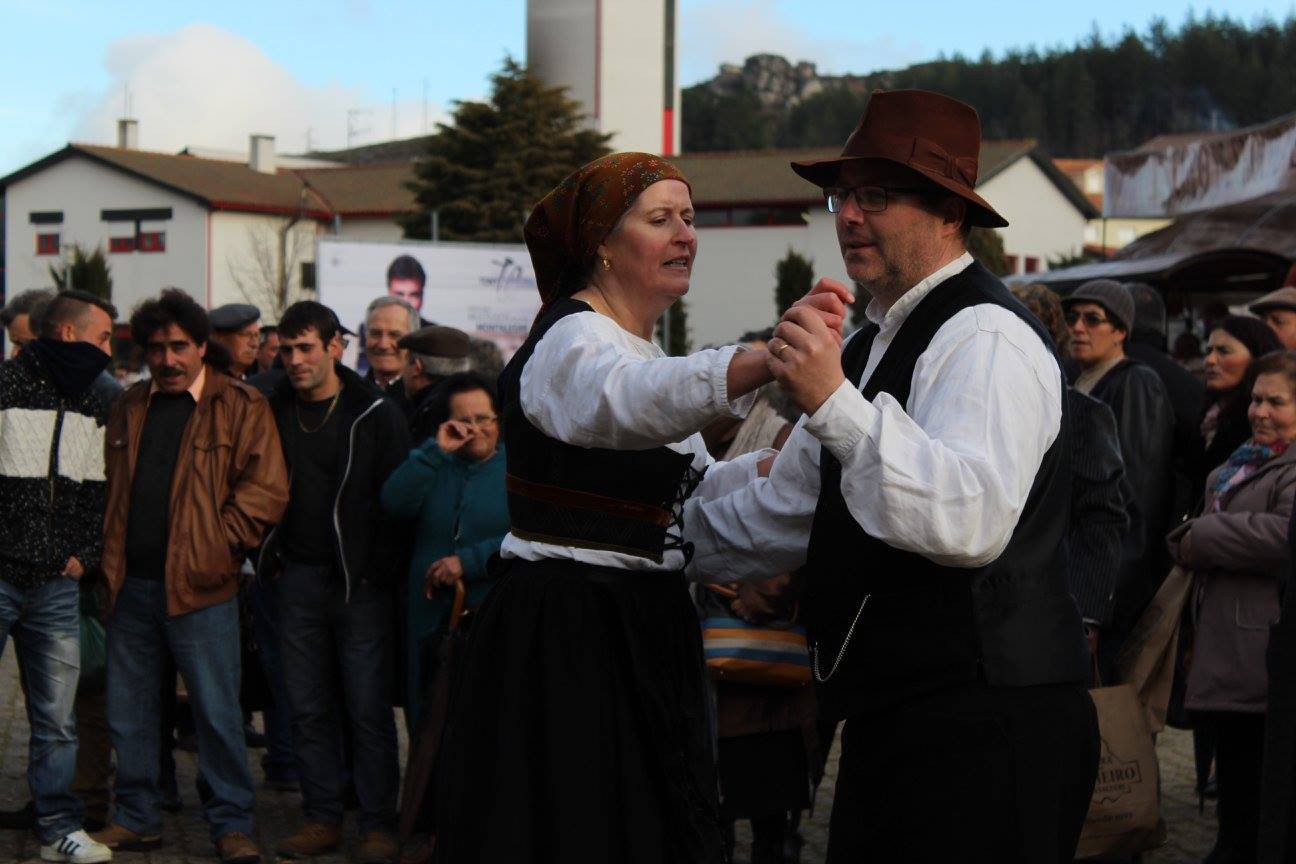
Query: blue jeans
{"points": [[279, 759], [45, 625], [205, 646], [338, 654]]}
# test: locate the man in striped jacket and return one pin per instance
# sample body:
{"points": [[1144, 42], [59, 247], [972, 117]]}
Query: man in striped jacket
{"points": [[53, 407]]}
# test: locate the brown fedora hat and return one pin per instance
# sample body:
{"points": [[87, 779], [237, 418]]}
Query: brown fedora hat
{"points": [[932, 135]]}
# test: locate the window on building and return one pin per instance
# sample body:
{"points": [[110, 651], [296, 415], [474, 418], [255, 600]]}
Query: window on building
{"points": [[1010, 261], [308, 275], [118, 245], [47, 244], [151, 241], [1032, 264]]}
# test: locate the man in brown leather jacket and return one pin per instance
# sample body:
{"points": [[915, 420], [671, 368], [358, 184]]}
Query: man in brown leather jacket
{"points": [[196, 476]]}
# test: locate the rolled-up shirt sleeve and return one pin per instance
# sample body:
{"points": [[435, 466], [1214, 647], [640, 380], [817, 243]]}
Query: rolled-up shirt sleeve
{"points": [[588, 384]]}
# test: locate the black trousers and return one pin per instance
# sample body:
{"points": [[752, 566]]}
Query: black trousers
{"points": [[972, 773], [1239, 759]]}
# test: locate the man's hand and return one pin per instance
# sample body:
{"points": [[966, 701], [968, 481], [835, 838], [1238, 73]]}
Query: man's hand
{"points": [[73, 569], [452, 435], [805, 358], [444, 572], [829, 298]]}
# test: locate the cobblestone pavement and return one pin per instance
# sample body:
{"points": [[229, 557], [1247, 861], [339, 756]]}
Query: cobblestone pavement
{"points": [[186, 840]]}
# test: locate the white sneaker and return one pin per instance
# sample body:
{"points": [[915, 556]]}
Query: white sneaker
{"points": [[76, 848]]}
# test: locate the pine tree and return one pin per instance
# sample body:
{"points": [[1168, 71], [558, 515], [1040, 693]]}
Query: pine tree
{"points": [[488, 167], [89, 273], [987, 247], [672, 330], [794, 276]]}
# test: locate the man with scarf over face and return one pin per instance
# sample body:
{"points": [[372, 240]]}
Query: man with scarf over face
{"points": [[52, 488]]}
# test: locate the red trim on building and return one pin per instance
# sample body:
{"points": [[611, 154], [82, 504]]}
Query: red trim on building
{"points": [[668, 132]]}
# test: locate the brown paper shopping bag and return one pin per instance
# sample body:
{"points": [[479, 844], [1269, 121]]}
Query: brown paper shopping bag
{"points": [[1147, 659], [1124, 814]]}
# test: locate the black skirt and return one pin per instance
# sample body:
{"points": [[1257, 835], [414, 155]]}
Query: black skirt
{"points": [[579, 730]]}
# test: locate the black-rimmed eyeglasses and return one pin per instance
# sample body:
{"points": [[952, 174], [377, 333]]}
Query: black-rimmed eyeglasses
{"points": [[870, 199]]}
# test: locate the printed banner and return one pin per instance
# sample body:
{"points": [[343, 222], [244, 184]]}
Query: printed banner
{"points": [[487, 290]]}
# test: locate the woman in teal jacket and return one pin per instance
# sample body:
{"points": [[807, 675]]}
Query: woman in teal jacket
{"points": [[451, 488]]}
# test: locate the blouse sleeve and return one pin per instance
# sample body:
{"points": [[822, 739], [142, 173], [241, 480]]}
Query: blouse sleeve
{"points": [[585, 387]]}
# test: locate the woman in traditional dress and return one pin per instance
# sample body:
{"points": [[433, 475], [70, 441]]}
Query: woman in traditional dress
{"points": [[580, 730]]}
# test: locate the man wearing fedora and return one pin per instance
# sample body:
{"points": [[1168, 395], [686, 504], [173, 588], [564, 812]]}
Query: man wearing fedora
{"points": [[1278, 309], [924, 499]]}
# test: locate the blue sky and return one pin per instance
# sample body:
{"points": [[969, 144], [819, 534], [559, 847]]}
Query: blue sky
{"points": [[295, 69]]}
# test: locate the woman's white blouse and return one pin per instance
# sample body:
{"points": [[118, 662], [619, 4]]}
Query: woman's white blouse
{"points": [[592, 384]]}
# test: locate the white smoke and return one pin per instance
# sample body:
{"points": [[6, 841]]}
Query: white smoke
{"points": [[205, 86]]}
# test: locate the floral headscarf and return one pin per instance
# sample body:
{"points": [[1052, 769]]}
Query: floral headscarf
{"points": [[565, 229]]}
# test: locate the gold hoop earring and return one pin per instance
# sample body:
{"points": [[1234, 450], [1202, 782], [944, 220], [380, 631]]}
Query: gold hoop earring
{"points": [[607, 263]]}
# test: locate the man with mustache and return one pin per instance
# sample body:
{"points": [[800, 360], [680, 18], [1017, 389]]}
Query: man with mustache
{"points": [[924, 498], [195, 478]]}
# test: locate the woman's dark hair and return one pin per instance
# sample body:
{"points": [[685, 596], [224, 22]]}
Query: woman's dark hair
{"points": [[1256, 335], [308, 315], [172, 306], [460, 382]]}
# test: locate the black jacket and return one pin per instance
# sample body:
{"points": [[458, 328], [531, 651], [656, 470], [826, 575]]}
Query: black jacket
{"points": [[52, 484], [1098, 518], [370, 546], [1145, 423], [1187, 396]]}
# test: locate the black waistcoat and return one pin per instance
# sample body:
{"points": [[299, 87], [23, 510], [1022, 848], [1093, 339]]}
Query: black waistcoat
{"points": [[588, 497], [926, 626]]}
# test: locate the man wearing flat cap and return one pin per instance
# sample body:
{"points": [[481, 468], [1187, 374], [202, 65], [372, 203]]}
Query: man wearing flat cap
{"points": [[236, 327], [432, 354], [1099, 316], [924, 499], [1278, 309]]}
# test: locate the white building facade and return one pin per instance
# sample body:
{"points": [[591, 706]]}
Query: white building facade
{"points": [[618, 60]]}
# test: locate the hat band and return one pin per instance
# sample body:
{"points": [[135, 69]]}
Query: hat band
{"points": [[926, 154]]}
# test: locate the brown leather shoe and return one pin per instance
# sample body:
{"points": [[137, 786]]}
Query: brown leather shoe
{"points": [[377, 847], [311, 839], [237, 848], [117, 838]]}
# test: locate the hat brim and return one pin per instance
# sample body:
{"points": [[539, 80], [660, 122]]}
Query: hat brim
{"points": [[825, 172], [1271, 306]]}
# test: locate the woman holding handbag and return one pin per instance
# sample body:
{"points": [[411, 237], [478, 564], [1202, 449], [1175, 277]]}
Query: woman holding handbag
{"points": [[1238, 549], [579, 730]]}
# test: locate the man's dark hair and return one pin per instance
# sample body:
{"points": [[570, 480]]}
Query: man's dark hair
{"points": [[172, 306], [407, 267], [27, 303], [756, 336], [461, 382], [308, 315], [71, 307]]}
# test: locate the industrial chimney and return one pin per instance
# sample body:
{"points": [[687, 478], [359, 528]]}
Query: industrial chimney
{"points": [[261, 154], [128, 134]]}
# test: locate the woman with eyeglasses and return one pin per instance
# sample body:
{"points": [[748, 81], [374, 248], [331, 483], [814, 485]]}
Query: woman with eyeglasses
{"points": [[451, 488]]}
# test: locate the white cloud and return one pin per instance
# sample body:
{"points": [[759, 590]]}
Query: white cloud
{"points": [[728, 31], [208, 87]]}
